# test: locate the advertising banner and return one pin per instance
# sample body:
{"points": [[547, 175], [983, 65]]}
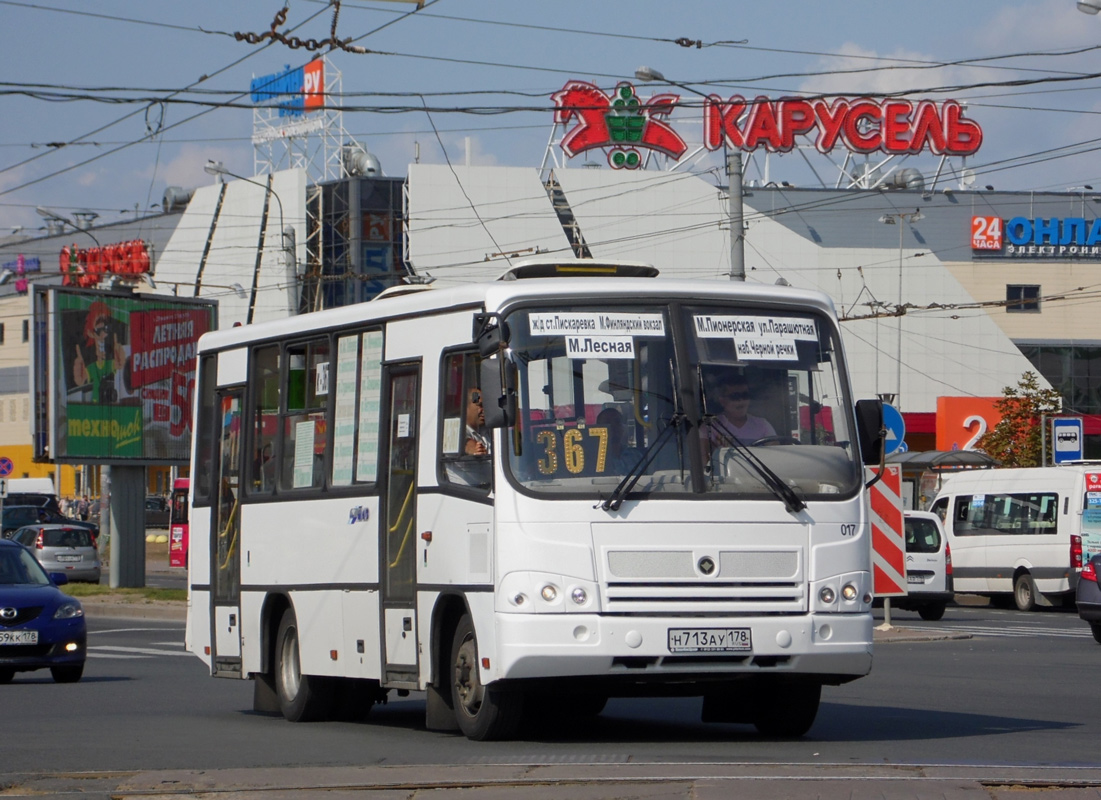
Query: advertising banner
{"points": [[119, 375]]}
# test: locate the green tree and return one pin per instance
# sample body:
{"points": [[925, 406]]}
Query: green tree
{"points": [[1017, 440]]}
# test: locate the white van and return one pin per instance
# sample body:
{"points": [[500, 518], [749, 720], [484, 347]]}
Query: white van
{"points": [[1018, 532]]}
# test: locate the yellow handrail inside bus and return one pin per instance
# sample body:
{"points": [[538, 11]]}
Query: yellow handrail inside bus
{"points": [[397, 523], [233, 543]]}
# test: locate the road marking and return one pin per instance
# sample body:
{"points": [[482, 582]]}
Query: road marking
{"points": [[148, 651], [1019, 632], [116, 656], [133, 630]]}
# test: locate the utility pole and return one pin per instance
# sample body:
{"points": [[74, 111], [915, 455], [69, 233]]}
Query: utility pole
{"points": [[734, 183], [737, 224]]}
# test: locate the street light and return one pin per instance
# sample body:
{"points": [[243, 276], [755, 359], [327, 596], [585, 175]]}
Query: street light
{"points": [[287, 235], [1089, 6], [733, 177], [51, 215], [892, 219]]}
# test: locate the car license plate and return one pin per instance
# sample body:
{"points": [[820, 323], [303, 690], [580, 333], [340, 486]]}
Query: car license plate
{"points": [[69, 558], [18, 637], [915, 579], [710, 640]]}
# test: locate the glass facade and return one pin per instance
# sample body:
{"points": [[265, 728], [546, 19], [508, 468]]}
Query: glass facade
{"points": [[1075, 372], [355, 241]]}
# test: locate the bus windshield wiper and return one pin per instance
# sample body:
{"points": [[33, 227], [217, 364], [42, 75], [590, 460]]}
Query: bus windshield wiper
{"points": [[615, 499], [792, 501]]}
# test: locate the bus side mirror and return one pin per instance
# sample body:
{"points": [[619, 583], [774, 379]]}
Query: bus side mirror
{"points": [[498, 385], [869, 426]]}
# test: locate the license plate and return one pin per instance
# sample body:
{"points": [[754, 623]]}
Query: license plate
{"points": [[915, 579], [710, 640], [18, 637], [69, 558]]}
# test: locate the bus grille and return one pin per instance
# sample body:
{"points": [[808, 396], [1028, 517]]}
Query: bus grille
{"points": [[670, 582]]}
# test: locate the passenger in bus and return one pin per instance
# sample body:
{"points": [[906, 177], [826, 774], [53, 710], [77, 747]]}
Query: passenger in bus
{"points": [[734, 422], [620, 457], [477, 442]]}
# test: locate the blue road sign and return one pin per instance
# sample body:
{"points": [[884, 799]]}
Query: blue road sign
{"points": [[6, 466], [1067, 435], [896, 428]]}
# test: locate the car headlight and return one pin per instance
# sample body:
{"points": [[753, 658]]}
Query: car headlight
{"points": [[69, 610]]}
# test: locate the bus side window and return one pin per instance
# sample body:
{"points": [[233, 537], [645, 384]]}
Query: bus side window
{"points": [[265, 418], [464, 442], [305, 410]]}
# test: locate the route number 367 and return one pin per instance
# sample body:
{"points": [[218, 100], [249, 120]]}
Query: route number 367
{"points": [[572, 443]]}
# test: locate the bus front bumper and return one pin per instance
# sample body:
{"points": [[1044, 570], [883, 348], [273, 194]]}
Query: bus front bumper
{"points": [[837, 647]]}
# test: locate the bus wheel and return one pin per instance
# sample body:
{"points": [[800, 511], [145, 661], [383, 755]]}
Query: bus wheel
{"points": [[788, 710], [931, 612], [1024, 592], [302, 698], [482, 712]]}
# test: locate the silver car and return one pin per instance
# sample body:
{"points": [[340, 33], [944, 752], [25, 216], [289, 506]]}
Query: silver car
{"points": [[62, 548]]}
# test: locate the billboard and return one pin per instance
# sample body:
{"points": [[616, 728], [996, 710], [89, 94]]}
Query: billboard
{"points": [[114, 375]]}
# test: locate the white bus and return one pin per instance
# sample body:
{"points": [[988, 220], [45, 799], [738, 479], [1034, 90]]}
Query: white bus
{"points": [[356, 529]]}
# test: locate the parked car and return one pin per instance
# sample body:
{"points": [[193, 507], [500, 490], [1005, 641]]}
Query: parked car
{"points": [[15, 517], [62, 548], [33, 499], [1089, 596], [156, 512], [40, 627], [928, 566]]}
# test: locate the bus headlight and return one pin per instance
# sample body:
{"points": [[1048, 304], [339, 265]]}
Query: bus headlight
{"points": [[542, 593], [849, 592], [827, 596]]}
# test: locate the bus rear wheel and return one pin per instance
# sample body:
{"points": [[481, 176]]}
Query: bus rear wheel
{"points": [[302, 698], [1024, 592], [482, 712]]}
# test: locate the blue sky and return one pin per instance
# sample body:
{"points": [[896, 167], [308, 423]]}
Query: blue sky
{"points": [[496, 54]]}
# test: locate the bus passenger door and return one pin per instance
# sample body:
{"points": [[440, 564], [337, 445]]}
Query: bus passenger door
{"points": [[225, 557], [398, 545]]}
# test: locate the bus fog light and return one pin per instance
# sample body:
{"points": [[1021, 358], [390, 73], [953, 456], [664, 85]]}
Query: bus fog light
{"points": [[580, 633], [578, 596], [848, 591], [827, 595], [549, 593], [518, 599]]}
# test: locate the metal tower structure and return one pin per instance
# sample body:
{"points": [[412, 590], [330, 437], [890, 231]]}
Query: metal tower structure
{"points": [[311, 141]]}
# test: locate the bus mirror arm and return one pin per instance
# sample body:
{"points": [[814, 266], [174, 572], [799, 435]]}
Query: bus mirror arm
{"points": [[490, 333], [882, 459]]}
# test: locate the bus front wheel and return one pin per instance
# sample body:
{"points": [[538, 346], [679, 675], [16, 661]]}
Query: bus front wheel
{"points": [[302, 698], [482, 712], [788, 709]]}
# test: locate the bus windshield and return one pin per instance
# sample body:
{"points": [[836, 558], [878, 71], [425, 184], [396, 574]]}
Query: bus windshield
{"points": [[680, 399]]}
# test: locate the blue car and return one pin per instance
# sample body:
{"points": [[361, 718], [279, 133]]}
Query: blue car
{"points": [[40, 626]]}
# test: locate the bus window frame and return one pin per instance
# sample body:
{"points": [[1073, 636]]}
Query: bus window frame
{"points": [[447, 484]]}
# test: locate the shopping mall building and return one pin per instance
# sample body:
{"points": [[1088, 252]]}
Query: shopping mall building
{"points": [[948, 291]]}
